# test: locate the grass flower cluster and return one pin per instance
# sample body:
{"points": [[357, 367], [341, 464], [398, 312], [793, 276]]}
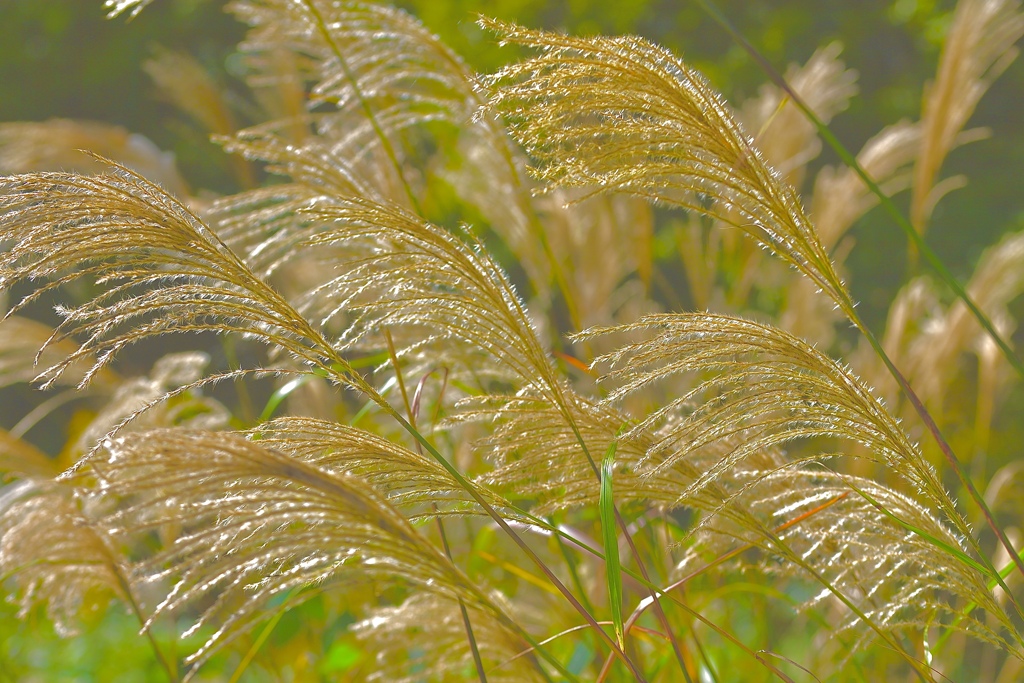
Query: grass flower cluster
{"points": [[501, 449]]}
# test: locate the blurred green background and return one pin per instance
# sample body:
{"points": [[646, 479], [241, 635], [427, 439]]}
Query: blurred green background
{"points": [[63, 58]]}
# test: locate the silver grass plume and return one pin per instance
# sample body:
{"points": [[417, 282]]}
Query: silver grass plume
{"points": [[255, 523], [759, 388], [424, 276], [434, 626], [374, 74], [997, 280], [757, 380], [408, 480], [362, 55], [401, 269], [53, 554], [785, 137], [184, 82], [57, 144], [163, 269], [456, 298], [978, 48], [625, 114], [931, 340], [895, 566]]}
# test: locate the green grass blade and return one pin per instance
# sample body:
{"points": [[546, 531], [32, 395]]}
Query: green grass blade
{"points": [[613, 568], [280, 394], [658, 609]]}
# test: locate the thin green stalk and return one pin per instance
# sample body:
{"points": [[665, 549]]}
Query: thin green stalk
{"points": [[930, 257], [571, 565], [474, 648], [707, 660], [535, 225], [244, 400], [477, 661], [951, 458], [169, 667], [996, 578], [34, 416], [393, 356], [970, 607], [389, 150]]}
